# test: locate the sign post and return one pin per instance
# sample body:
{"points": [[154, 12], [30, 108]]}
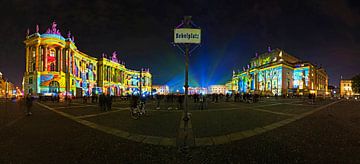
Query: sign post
{"points": [[185, 35]]}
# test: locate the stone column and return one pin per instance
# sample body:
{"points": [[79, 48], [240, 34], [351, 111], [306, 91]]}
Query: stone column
{"points": [[72, 62], [37, 59], [45, 57], [27, 58], [61, 59]]}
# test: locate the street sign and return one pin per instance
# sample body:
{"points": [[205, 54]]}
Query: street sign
{"points": [[187, 35]]}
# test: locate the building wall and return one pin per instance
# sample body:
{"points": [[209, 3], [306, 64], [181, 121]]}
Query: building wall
{"points": [[218, 89], [55, 65], [277, 72], [161, 89], [346, 88]]}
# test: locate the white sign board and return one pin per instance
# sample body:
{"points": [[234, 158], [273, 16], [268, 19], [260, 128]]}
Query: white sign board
{"points": [[187, 35]]}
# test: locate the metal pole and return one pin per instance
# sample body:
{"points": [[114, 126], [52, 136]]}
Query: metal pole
{"points": [[186, 117], [140, 82], [187, 20]]}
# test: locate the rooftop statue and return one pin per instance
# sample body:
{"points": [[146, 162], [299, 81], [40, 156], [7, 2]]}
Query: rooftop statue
{"points": [[104, 55], [53, 29], [269, 48], [114, 57], [37, 28], [69, 34]]}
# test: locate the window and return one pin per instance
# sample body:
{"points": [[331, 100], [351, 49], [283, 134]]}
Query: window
{"points": [[52, 53], [52, 67], [30, 80]]}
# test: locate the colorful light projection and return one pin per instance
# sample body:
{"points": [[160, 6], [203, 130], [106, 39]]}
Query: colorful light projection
{"points": [[51, 83], [266, 80], [301, 77]]}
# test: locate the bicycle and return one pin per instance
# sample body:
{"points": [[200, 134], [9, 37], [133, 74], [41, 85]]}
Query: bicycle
{"points": [[138, 111]]}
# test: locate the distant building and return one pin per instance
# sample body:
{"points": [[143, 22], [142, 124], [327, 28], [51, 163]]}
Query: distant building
{"points": [[217, 89], [232, 85], [161, 89], [54, 65], [197, 90], [6, 88], [346, 88], [277, 72]]}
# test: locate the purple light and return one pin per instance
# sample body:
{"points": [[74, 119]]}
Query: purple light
{"points": [[182, 23]]}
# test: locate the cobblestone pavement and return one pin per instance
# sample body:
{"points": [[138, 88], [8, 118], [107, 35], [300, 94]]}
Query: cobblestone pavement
{"points": [[330, 135]]}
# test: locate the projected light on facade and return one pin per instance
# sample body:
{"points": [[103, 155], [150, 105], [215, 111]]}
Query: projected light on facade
{"points": [[276, 72], [54, 65]]}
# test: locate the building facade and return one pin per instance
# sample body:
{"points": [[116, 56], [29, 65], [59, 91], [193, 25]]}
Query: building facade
{"points": [[6, 88], [277, 72], [55, 65], [217, 89], [346, 88], [161, 89]]}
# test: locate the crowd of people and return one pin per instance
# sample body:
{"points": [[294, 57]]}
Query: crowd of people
{"points": [[170, 102]]}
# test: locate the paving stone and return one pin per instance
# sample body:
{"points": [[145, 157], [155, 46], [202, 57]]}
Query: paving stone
{"points": [[137, 138], [259, 130], [218, 140], [152, 140], [248, 133], [236, 136], [204, 141], [168, 142]]}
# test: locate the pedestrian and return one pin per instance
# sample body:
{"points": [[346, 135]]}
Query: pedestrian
{"points": [[102, 102], [201, 100], [108, 102], [29, 103], [180, 102], [158, 99], [313, 98]]}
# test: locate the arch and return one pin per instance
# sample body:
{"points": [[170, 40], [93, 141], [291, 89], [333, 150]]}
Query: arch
{"points": [[54, 87]]}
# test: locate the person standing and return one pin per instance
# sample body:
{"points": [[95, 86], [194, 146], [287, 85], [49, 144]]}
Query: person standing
{"points": [[158, 99], [102, 102], [29, 103], [108, 102]]}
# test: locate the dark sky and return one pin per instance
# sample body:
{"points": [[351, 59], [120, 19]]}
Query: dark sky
{"points": [[323, 32]]}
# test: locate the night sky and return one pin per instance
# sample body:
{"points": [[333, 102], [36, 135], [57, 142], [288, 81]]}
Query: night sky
{"points": [[326, 33]]}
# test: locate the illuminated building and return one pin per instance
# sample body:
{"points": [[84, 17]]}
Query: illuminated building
{"points": [[277, 72], [197, 90], [232, 85], [346, 88], [161, 89], [55, 65], [218, 89], [6, 88]]}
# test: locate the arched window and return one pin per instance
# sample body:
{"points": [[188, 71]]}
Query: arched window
{"points": [[52, 67], [52, 53], [54, 87]]}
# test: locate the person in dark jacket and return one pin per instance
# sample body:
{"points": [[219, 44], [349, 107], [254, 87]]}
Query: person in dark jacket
{"points": [[102, 102], [29, 103], [108, 101]]}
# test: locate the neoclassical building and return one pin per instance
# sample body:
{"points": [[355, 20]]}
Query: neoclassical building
{"points": [[55, 65], [277, 72]]}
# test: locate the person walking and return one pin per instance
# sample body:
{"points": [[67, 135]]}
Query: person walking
{"points": [[108, 102], [29, 103]]}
